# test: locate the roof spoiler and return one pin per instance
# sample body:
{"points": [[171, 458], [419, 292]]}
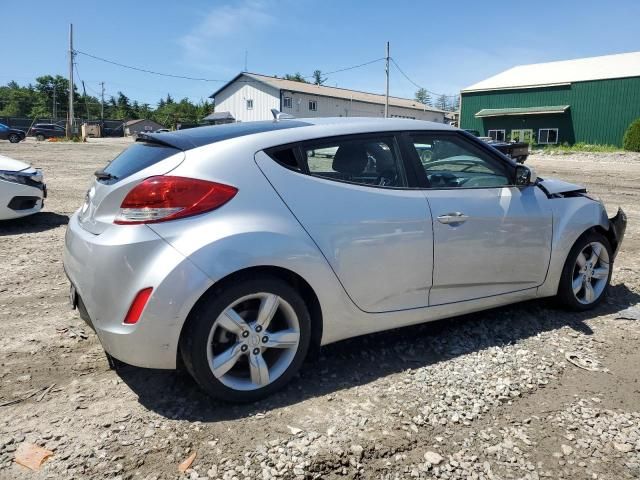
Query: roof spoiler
{"points": [[278, 115]]}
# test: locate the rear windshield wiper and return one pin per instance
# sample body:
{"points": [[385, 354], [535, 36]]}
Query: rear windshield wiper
{"points": [[102, 175]]}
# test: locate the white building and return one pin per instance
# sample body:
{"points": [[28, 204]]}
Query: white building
{"points": [[250, 96]]}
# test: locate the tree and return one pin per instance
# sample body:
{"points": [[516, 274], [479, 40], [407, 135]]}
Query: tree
{"points": [[296, 77], [318, 79], [124, 110], [442, 103], [36, 101], [631, 140], [423, 96], [456, 103]]}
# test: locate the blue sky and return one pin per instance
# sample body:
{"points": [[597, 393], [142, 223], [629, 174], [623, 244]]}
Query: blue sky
{"points": [[443, 46]]}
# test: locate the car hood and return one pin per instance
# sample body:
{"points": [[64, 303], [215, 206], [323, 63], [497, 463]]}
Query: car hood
{"points": [[11, 165], [553, 186]]}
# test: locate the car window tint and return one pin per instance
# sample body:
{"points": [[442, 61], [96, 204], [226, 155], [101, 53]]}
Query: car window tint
{"points": [[285, 157], [366, 161], [138, 157], [452, 162]]}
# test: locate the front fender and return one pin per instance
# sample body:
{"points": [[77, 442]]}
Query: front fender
{"points": [[572, 217]]}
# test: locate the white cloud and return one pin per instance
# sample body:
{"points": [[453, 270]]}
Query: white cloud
{"points": [[224, 22]]}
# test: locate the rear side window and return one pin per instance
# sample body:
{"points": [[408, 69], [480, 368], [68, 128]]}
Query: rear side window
{"points": [[138, 157], [372, 161]]}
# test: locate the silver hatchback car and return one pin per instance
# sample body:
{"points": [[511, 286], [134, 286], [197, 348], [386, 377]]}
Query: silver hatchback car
{"points": [[235, 249]]}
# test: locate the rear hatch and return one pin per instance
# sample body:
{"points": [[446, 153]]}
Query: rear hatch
{"points": [[141, 160]]}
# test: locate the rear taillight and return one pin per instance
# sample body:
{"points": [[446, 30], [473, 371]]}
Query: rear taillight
{"points": [[159, 199], [137, 306]]}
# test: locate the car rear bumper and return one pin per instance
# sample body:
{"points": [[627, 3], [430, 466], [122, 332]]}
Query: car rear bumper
{"points": [[618, 227], [108, 270]]}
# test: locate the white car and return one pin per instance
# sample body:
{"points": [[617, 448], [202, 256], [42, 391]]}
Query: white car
{"points": [[22, 191]]}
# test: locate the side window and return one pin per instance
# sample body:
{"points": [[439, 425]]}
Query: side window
{"points": [[366, 161], [453, 162]]}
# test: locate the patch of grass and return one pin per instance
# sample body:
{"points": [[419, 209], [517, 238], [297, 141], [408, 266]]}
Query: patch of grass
{"points": [[579, 147]]}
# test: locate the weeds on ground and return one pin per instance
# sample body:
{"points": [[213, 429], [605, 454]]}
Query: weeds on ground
{"points": [[578, 147]]}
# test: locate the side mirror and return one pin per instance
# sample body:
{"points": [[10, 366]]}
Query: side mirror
{"points": [[525, 176]]}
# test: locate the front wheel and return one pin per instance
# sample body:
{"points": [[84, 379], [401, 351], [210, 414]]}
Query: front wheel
{"points": [[40, 137], [587, 273], [247, 339], [13, 138]]}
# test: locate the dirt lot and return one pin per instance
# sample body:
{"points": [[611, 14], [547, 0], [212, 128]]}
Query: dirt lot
{"points": [[489, 395]]}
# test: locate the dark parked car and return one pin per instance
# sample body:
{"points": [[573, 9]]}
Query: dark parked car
{"points": [[12, 134], [43, 131], [518, 151]]}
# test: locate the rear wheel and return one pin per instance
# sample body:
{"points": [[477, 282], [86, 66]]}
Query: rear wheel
{"points": [[247, 340], [14, 138], [587, 272], [40, 137]]}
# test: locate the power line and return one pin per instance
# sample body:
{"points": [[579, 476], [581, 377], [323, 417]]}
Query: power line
{"points": [[349, 68], [203, 79], [420, 86], [184, 77]]}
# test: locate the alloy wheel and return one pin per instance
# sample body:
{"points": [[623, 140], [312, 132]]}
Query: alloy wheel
{"points": [[253, 341], [590, 273]]}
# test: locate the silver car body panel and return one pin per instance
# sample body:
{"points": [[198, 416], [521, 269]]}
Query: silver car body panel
{"points": [[503, 245], [284, 219], [553, 186], [383, 235]]}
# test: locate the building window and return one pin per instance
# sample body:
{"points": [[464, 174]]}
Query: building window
{"points": [[548, 136], [287, 102], [522, 135], [498, 135], [250, 104], [313, 105]]}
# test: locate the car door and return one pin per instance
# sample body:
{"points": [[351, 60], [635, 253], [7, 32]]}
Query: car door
{"points": [[4, 132], [352, 196], [490, 237]]}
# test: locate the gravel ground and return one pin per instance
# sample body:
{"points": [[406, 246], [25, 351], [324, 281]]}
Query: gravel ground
{"points": [[485, 396]]}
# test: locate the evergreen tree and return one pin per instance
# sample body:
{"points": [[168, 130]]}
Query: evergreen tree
{"points": [[423, 96]]}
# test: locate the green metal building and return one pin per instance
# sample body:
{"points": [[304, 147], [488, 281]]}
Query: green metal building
{"points": [[591, 100]]}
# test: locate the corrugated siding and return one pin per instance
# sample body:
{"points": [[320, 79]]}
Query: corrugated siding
{"points": [[600, 110], [338, 107], [234, 99]]}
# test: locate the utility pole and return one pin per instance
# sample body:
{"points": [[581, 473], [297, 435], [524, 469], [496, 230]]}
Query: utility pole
{"points": [[70, 114], [386, 95], [246, 55], [55, 102], [102, 102]]}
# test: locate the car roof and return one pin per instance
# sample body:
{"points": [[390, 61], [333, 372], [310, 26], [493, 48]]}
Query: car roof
{"points": [[313, 127]]}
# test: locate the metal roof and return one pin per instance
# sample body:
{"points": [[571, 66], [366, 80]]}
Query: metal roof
{"points": [[324, 91], [501, 112], [620, 65]]}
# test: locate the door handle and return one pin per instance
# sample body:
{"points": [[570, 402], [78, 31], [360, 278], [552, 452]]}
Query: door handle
{"points": [[452, 218]]}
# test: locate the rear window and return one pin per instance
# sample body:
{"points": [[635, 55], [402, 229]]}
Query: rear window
{"points": [[137, 157]]}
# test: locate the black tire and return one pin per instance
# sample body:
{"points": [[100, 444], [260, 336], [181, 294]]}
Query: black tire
{"points": [[565, 296], [193, 342], [14, 138], [40, 137]]}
